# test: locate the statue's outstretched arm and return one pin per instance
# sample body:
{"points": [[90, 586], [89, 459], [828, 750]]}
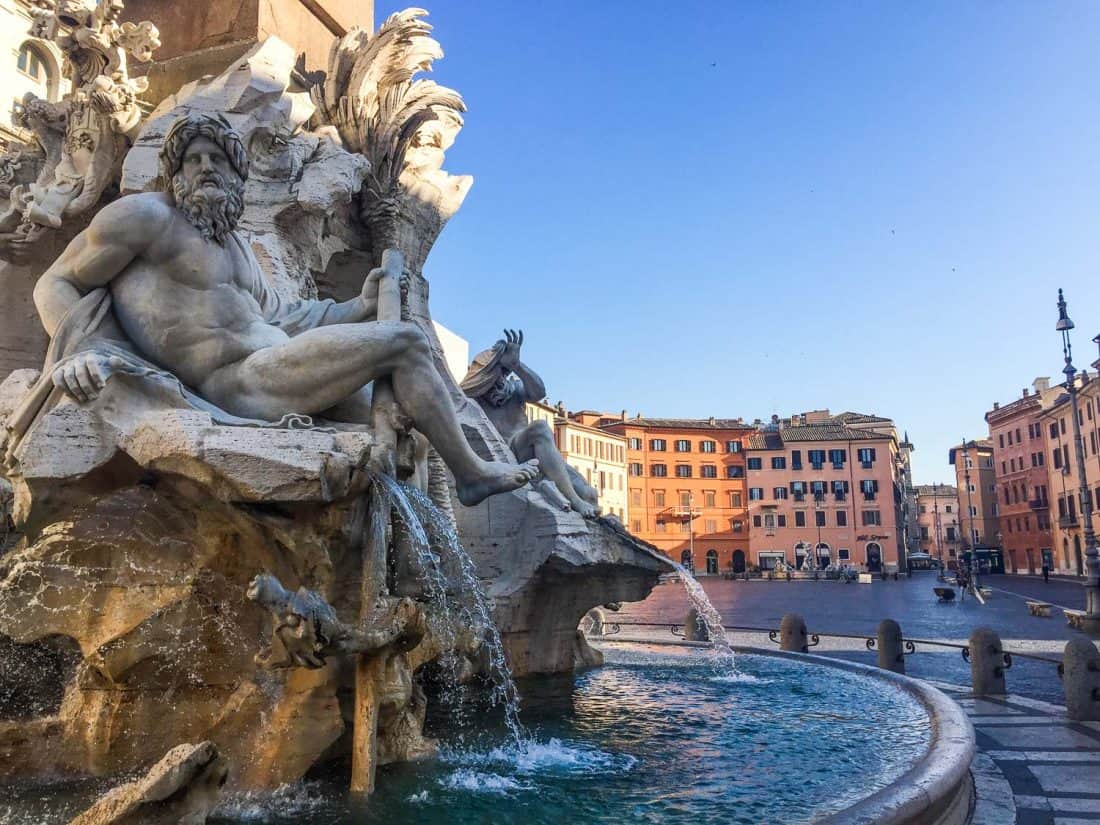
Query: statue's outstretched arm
{"points": [[120, 232]]}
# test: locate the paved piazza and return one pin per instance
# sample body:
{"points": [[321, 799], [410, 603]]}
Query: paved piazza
{"points": [[832, 607]]}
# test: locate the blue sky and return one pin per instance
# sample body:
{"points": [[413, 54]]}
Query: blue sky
{"points": [[739, 209]]}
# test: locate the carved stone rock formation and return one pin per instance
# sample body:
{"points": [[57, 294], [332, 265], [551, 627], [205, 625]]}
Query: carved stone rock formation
{"points": [[181, 789], [141, 537]]}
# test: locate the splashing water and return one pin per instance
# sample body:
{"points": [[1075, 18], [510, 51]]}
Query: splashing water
{"points": [[423, 519], [725, 658]]}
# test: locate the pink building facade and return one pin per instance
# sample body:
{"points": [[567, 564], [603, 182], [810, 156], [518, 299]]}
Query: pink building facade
{"points": [[827, 488]]}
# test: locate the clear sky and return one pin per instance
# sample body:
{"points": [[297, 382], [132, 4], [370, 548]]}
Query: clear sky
{"points": [[745, 208]]}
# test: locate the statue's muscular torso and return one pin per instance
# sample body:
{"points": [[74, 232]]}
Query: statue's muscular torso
{"points": [[186, 303]]}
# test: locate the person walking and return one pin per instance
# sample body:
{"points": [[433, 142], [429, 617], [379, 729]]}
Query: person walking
{"points": [[1046, 572]]}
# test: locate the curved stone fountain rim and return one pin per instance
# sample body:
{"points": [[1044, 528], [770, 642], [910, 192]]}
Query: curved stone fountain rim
{"points": [[938, 784]]}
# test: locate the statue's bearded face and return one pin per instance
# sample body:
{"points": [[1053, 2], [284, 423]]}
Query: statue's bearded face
{"points": [[208, 190]]}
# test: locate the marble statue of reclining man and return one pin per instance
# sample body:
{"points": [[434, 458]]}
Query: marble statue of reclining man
{"points": [[179, 288], [489, 381]]}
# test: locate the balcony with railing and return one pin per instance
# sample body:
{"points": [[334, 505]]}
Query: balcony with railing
{"points": [[1039, 504], [1067, 521]]}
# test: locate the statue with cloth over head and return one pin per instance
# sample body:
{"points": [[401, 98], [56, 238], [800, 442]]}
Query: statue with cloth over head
{"points": [[161, 286], [502, 385]]}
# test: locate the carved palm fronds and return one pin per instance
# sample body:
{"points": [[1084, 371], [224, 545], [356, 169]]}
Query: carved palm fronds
{"points": [[402, 124]]}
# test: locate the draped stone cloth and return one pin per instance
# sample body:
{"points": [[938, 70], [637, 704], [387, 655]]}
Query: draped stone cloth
{"points": [[90, 326]]}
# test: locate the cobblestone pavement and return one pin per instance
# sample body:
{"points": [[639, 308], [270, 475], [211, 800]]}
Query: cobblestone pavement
{"points": [[1034, 766], [833, 607]]}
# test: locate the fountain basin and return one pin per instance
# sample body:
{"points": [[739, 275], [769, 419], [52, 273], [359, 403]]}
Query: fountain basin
{"points": [[656, 734]]}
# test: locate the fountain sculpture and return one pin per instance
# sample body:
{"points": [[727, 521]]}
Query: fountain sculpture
{"points": [[244, 483]]}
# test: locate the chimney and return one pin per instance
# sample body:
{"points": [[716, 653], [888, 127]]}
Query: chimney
{"points": [[623, 416], [996, 405], [711, 421], [1041, 384], [1025, 392]]}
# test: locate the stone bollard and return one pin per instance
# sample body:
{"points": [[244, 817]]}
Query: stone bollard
{"points": [[987, 663], [695, 629], [792, 633], [890, 653], [1081, 680], [596, 621]]}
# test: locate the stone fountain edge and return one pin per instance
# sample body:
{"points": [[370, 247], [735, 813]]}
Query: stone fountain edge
{"points": [[939, 784]]}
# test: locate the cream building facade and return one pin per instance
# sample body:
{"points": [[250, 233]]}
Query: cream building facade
{"points": [[938, 521], [26, 65]]}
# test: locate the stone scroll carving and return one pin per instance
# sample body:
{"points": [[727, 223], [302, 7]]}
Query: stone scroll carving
{"points": [[82, 139]]}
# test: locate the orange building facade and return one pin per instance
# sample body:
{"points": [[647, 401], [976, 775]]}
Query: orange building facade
{"points": [[977, 484], [824, 490], [1022, 490], [686, 488]]}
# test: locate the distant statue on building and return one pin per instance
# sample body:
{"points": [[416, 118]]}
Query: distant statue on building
{"points": [[502, 385]]}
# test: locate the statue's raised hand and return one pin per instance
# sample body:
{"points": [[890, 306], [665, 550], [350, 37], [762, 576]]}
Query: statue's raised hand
{"points": [[83, 376], [513, 341]]}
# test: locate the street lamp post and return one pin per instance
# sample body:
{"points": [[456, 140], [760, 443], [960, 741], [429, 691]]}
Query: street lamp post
{"points": [[1091, 620]]}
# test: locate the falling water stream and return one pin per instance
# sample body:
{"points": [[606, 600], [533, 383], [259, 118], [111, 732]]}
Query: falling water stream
{"points": [[725, 658], [424, 519]]}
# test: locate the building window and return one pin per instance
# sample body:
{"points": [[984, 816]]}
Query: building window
{"points": [[635, 468], [769, 521], [755, 464], [710, 526], [819, 518], [756, 494], [683, 471], [30, 63], [872, 518], [950, 533], [708, 471], [708, 446], [779, 493], [799, 518], [636, 498], [737, 525], [635, 443], [841, 518], [843, 554], [636, 526], [837, 458], [817, 459], [685, 499], [733, 446], [685, 526], [735, 471], [658, 470], [779, 462], [658, 498], [756, 521], [657, 444], [867, 457], [947, 508], [683, 445], [818, 490], [781, 520], [660, 526], [869, 487], [735, 498], [708, 498], [840, 490], [796, 459]]}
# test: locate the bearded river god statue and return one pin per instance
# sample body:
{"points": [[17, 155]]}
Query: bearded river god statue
{"points": [[161, 285]]}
